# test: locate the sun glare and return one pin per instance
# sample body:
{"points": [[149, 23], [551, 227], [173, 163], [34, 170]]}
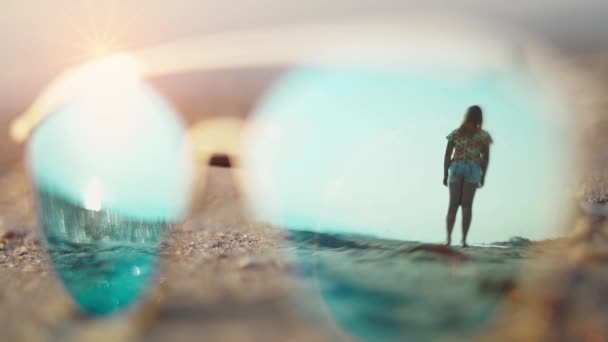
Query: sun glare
{"points": [[93, 195], [99, 50], [102, 74]]}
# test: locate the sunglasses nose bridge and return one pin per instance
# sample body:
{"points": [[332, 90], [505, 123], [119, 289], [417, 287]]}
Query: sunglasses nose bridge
{"points": [[210, 137], [216, 136]]}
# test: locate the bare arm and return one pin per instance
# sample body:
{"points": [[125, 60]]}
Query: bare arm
{"points": [[485, 161], [447, 160]]}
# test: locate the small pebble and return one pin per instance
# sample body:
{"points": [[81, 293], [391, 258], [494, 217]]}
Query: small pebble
{"points": [[13, 234], [210, 245]]}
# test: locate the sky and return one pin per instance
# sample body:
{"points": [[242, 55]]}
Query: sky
{"points": [[40, 39]]}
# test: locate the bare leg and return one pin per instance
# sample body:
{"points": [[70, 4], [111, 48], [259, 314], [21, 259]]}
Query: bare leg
{"points": [[468, 193], [455, 198]]}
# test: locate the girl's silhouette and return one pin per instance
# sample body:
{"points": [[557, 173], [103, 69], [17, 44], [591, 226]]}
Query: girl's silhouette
{"points": [[467, 155]]}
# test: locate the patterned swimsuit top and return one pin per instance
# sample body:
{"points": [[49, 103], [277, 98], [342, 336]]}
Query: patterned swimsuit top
{"points": [[469, 148]]}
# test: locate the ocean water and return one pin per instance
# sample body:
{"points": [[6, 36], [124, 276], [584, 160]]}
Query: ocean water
{"points": [[104, 260], [385, 290]]}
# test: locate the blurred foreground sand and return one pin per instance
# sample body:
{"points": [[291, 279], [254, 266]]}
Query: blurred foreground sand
{"points": [[222, 280]]}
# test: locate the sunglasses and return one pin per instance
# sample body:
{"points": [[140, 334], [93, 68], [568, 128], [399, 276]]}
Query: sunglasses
{"points": [[349, 139]]}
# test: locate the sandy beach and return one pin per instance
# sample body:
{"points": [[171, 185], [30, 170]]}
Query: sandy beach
{"points": [[225, 278], [228, 279], [221, 277]]}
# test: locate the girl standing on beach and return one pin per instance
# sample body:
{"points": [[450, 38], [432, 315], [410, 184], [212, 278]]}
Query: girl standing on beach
{"points": [[470, 146]]}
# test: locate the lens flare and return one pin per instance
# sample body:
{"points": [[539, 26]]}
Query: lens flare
{"points": [[93, 195], [92, 78]]}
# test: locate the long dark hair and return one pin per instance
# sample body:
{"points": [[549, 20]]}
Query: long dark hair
{"points": [[473, 120]]}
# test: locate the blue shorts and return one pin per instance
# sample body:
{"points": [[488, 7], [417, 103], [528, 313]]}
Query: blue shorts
{"points": [[465, 171]]}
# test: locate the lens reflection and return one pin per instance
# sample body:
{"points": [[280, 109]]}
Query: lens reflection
{"points": [[104, 259], [347, 152], [112, 171], [359, 149]]}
